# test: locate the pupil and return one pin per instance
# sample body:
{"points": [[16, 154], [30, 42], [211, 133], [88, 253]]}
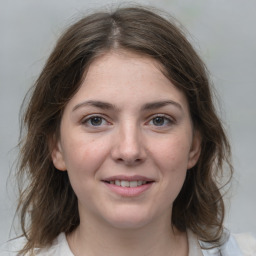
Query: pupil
{"points": [[96, 121], [158, 121]]}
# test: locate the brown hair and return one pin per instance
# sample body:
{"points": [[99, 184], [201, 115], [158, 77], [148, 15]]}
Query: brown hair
{"points": [[48, 205]]}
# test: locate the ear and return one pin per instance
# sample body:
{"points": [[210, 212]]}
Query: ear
{"points": [[195, 149], [57, 156]]}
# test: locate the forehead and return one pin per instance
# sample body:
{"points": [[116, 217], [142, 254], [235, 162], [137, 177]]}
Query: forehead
{"points": [[117, 63], [118, 75]]}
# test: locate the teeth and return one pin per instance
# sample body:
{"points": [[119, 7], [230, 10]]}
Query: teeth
{"points": [[118, 182], [139, 182], [125, 183], [133, 184]]}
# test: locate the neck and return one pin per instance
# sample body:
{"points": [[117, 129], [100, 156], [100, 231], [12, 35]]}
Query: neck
{"points": [[156, 239]]}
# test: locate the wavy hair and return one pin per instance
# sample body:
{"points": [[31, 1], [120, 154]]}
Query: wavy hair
{"points": [[47, 203]]}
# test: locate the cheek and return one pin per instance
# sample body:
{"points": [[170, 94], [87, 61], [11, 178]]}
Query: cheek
{"points": [[171, 158], [83, 160], [83, 155], [172, 153]]}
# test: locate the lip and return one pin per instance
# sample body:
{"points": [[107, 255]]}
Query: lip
{"points": [[128, 191], [128, 178]]}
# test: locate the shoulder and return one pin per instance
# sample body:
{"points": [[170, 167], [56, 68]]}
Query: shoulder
{"points": [[247, 243], [58, 248], [235, 245]]}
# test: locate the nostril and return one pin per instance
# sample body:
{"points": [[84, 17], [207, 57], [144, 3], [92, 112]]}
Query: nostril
{"points": [[129, 161], [128, 153]]}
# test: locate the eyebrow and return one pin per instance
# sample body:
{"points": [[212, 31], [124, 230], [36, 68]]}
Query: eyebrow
{"points": [[109, 106], [95, 103], [160, 104]]}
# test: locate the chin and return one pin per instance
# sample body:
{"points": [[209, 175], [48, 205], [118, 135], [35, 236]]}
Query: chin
{"points": [[129, 219]]}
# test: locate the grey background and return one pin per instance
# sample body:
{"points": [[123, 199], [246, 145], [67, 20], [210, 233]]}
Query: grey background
{"points": [[222, 31]]}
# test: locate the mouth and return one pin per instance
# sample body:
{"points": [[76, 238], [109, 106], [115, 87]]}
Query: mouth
{"points": [[128, 186], [127, 183]]}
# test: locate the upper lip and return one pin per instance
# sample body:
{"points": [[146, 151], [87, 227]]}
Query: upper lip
{"points": [[128, 178]]}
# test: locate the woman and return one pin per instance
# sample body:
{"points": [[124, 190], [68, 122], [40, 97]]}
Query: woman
{"points": [[124, 152]]}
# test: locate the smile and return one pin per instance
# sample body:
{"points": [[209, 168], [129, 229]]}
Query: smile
{"points": [[128, 184]]}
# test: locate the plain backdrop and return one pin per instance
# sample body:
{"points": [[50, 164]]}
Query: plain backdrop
{"points": [[223, 33]]}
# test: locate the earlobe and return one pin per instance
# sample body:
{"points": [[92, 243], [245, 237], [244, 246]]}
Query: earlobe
{"points": [[57, 157], [195, 150]]}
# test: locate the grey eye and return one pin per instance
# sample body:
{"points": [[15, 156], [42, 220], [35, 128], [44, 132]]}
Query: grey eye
{"points": [[159, 121], [95, 121]]}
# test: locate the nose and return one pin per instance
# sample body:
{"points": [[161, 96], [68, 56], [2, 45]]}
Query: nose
{"points": [[129, 146]]}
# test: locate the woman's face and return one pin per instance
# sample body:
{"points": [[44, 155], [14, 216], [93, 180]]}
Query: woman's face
{"points": [[126, 141]]}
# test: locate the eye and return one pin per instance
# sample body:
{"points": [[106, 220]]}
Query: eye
{"points": [[94, 121], [160, 121]]}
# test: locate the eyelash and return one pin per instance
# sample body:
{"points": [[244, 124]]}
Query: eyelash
{"points": [[91, 117], [166, 121]]}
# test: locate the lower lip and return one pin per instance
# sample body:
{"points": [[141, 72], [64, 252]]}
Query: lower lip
{"points": [[129, 191]]}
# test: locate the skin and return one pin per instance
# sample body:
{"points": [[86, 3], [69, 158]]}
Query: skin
{"points": [[127, 136]]}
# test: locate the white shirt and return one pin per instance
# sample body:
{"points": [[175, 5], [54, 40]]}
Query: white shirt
{"points": [[236, 245]]}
